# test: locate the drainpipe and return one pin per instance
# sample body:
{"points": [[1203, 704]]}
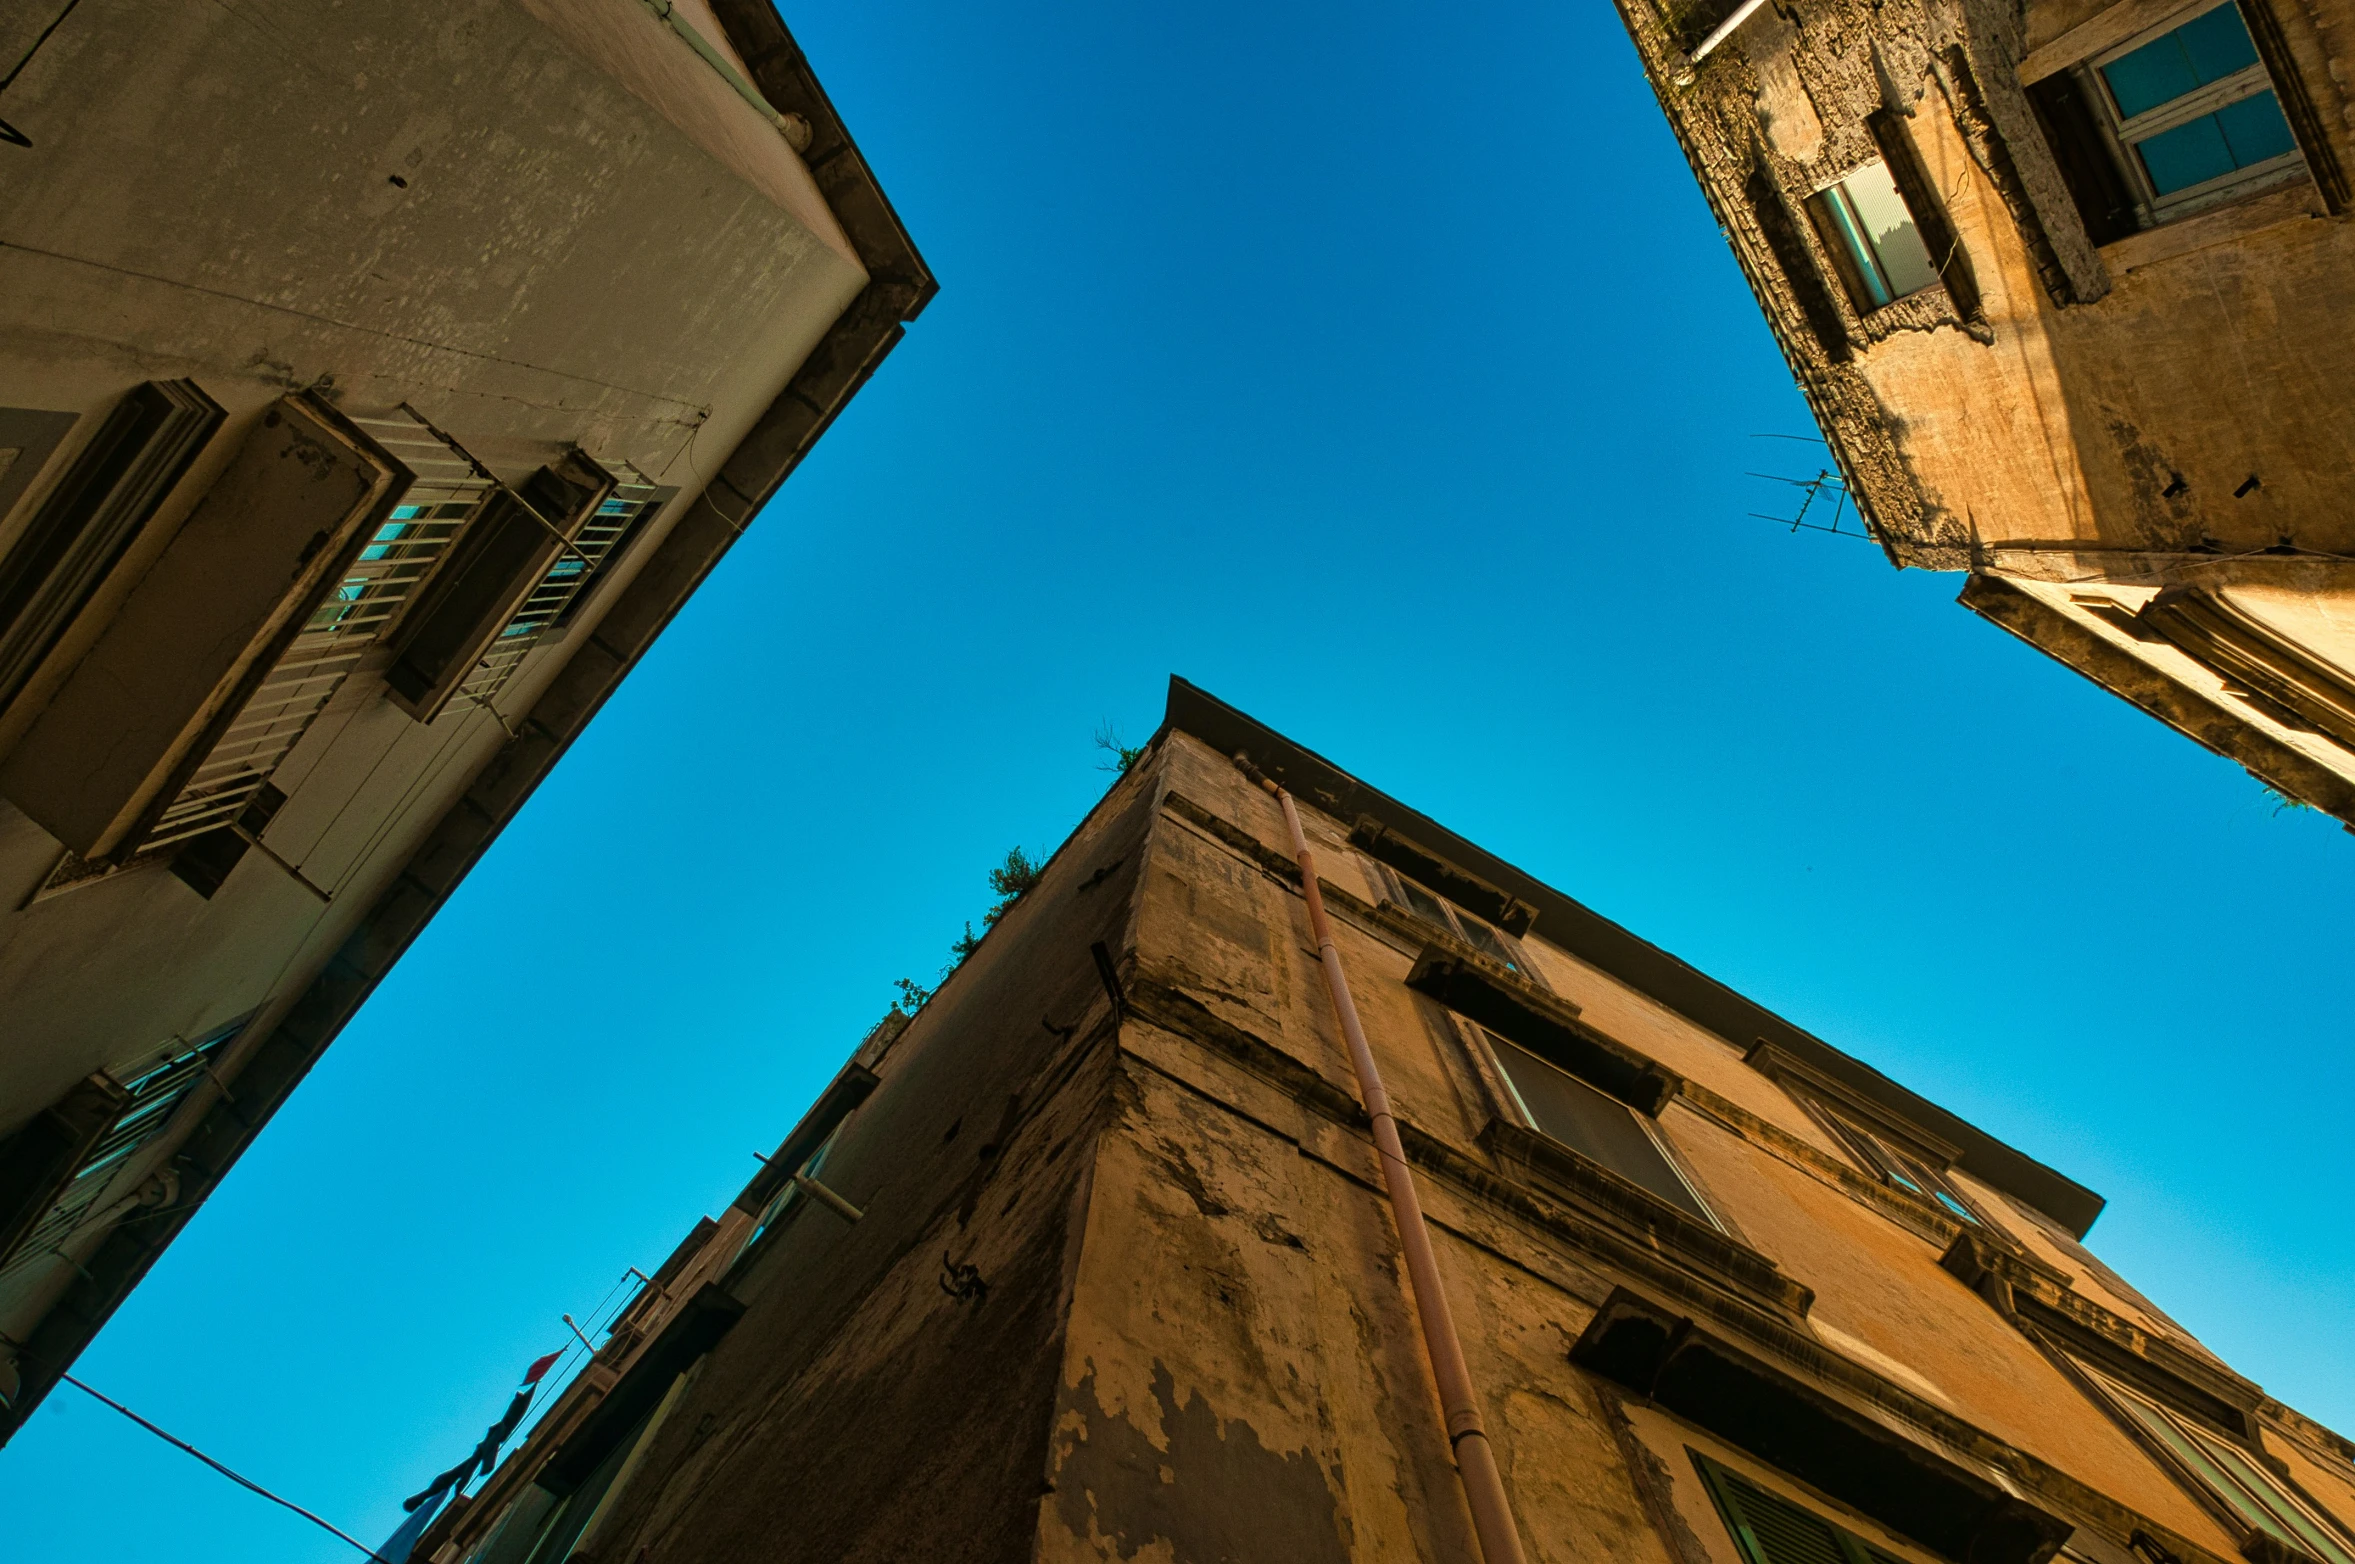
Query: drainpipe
{"points": [[1727, 28], [1484, 1486]]}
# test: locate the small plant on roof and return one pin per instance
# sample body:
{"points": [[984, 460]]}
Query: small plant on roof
{"points": [[1123, 756], [912, 996], [2282, 801], [1018, 874], [1010, 880]]}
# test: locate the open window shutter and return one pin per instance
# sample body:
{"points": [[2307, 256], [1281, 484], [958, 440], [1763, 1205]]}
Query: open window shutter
{"points": [[2073, 129], [504, 553], [82, 529], [202, 627], [1566, 1109]]}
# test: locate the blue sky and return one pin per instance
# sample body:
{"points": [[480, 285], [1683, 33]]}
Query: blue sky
{"points": [[1380, 369]]}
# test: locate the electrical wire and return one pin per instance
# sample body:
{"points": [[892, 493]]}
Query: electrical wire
{"points": [[236, 1477]]}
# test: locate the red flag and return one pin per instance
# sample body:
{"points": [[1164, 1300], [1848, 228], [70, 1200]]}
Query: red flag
{"points": [[531, 1376]]}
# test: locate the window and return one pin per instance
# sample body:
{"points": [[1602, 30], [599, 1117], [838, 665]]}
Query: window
{"points": [[2228, 1471], [185, 657], [2172, 121], [635, 502], [609, 529], [1908, 1170], [154, 1091], [28, 437], [1494, 943], [1563, 1108], [1770, 1529], [2276, 672], [355, 612], [1872, 238], [88, 521], [474, 619]]}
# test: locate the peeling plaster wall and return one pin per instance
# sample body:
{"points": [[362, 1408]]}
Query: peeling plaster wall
{"points": [[861, 1410], [2144, 412], [1196, 1343], [2213, 348]]}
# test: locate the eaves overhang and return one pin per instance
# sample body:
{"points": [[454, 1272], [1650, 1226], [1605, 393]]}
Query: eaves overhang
{"points": [[2217, 727], [1643, 966]]}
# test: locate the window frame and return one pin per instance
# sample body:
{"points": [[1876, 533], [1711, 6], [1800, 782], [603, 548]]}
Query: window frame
{"points": [[1508, 1104], [1899, 1165], [154, 1091], [1839, 228], [2123, 133], [1402, 891], [2204, 1461]]}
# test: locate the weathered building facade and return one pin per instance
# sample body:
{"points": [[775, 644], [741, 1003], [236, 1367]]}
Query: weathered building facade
{"points": [[2070, 285], [1092, 1259], [375, 383]]}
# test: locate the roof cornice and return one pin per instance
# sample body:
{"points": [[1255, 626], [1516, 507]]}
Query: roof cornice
{"points": [[1643, 966]]}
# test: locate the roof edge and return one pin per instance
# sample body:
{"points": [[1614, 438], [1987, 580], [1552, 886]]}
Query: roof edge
{"points": [[1598, 941], [783, 75], [2213, 727]]}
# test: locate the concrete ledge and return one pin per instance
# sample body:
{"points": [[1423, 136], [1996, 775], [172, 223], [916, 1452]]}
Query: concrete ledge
{"points": [[2215, 727]]}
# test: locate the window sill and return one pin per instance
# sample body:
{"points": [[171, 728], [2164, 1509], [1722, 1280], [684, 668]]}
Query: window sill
{"points": [[2219, 225], [1565, 1175], [1521, 1012]]}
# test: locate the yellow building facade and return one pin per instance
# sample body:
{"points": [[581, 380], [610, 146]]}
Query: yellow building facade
{"points": [[1093, 1258]]}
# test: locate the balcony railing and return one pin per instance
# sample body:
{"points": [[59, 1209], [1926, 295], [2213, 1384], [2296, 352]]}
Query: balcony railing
{"points": [[154, 1092], [634, 496], [450, 487]]}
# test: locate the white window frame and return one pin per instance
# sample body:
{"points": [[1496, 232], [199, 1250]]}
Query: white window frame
{"points": [[2151, 207]]}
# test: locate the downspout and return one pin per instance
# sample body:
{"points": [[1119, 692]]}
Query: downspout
{"points": [[1484, 1486]]}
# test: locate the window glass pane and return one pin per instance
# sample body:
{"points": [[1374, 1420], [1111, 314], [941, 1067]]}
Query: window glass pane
{"points": [[2217, 44], [2255, 130], [1888, 227], [1834, 203], [1483, 939], [1424, 903], [2265, 1491], [2188, 155], [1564, 1108], [2175, 1439], [1956, 1207], [2204, 50], [2158, 72]]}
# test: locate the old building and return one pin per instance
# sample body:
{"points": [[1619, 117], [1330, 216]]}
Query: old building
{"points": [[375, 383], [1095, 1258], [2070, 286]]}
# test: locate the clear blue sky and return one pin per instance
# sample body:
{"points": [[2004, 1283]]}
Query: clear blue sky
{"points": [[1379, 368]]}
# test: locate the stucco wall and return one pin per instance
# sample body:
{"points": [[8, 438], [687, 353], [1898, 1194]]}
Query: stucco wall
{"points": [[564, 265], [458, 209], [1196, 1343]]}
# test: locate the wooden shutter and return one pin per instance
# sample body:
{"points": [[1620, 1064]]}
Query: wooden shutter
{"points": [[1770, 1529], [202, 627], [83, 527]]}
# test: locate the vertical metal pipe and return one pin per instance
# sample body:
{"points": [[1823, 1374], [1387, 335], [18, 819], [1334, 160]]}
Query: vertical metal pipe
{"points": [[1484, 1486]]}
